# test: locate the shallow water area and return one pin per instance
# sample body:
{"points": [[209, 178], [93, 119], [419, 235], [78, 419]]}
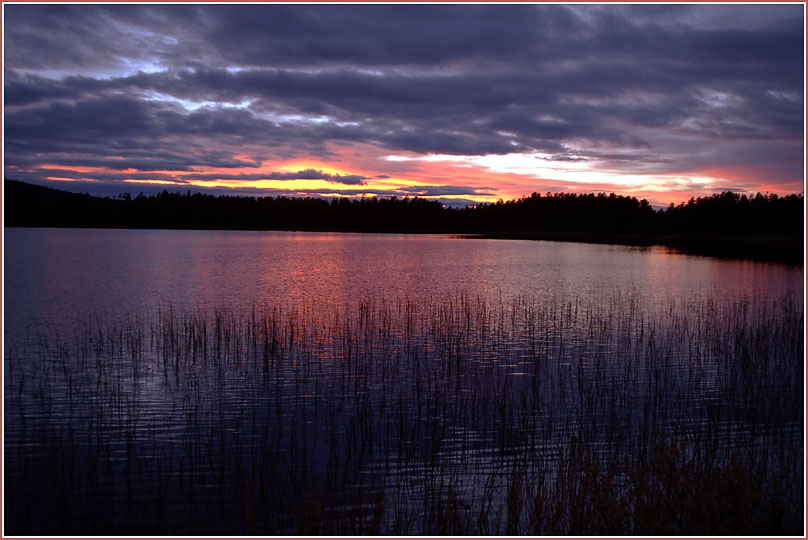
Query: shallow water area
{"points": [[197, 382]]}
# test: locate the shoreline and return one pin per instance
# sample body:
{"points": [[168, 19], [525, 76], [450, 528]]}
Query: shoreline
{"points": [[765, 248]]}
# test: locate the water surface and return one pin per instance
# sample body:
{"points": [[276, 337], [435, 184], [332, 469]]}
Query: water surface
{"points": [[198, 382], [51, 274]]}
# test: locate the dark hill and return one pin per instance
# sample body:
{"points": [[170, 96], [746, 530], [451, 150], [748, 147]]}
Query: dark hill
{"points": [[30, 205]]}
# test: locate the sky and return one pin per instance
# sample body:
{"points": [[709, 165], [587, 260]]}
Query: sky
{"points": [[464, 103]]}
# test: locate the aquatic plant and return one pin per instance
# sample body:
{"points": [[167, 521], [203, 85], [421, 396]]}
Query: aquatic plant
{"points": [[456, 415]]}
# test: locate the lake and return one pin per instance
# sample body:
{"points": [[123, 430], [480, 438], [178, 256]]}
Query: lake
{"points": [[240, 383]]}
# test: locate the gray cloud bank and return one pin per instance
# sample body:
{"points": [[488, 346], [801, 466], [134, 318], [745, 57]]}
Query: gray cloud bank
{"points": [[651, 88]]}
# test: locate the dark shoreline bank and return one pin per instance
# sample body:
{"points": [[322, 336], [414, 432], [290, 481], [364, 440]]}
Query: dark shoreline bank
{"points": [[766, 248], [762, 228]]}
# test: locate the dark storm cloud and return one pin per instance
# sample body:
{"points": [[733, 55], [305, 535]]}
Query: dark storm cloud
{"points": [[175, 87], [307, 174], [437, 191], [106, 187]]}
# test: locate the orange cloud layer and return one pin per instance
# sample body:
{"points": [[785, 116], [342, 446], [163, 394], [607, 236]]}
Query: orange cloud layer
{"points": [[476, 178]]}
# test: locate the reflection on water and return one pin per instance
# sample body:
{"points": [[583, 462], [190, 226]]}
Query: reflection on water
{"points": [[50, 274], [291, 383]]}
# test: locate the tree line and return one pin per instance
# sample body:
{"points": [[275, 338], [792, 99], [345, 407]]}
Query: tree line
{"points": [[726, 213]]}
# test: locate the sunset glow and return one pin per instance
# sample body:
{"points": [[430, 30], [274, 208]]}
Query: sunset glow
{"points": [[338, 100]]}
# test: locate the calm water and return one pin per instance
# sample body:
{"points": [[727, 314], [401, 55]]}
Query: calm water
{"points": [[53, 274], [176, 382]]}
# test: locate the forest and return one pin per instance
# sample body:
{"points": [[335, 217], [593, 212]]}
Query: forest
{"points": [[725, 221]]}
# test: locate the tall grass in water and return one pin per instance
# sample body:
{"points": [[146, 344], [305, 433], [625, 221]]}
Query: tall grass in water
{"points": [[453, 415]]}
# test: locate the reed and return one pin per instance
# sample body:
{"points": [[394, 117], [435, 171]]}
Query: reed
{"points": [[539, 415]]}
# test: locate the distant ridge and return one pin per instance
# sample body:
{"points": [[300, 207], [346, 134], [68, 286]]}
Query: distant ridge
{"points": [[729, 224]]}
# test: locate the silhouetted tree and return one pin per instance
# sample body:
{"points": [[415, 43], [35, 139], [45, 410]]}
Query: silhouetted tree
{"points": [[723, 213]]}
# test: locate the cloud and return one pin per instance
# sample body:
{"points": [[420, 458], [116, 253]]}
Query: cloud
{"points": [[629, 88], [307, 174], [109, 187], [437, 191]]}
